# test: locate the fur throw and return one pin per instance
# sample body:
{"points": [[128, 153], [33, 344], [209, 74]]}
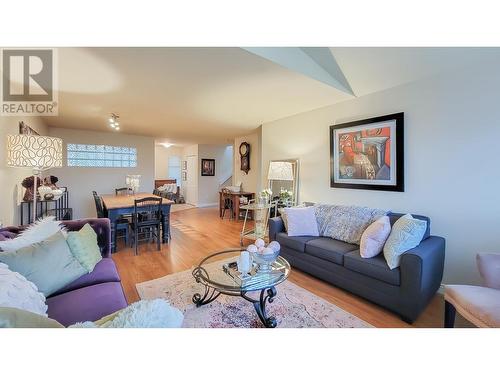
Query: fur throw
{"points": [[156, 313], [36, 232]]}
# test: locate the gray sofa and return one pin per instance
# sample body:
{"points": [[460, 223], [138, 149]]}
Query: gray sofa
{"points": [[405, 290]]}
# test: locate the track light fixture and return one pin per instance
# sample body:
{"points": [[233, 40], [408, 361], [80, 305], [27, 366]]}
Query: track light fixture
{"points": [[113, 121]]}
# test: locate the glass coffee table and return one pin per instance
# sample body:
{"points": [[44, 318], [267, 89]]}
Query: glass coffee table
{"points": [[216, 281]]}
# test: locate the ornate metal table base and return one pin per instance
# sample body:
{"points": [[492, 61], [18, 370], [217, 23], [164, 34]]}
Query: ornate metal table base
{"points": [[260, 306], [211, 294]]}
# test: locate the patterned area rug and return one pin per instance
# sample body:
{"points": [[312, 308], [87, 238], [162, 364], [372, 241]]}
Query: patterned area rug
{"points": [[293, 307]]}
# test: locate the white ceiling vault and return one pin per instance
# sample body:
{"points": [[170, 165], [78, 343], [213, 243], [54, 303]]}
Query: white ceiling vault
{"points": [[211, 95]]}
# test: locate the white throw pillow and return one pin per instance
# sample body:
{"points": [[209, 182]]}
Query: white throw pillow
{"points": [[17, 292], [36, 232], [301, 221], [374, 237]]}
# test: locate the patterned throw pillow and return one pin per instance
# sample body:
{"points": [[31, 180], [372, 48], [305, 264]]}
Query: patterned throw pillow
{"points": [[345, 223], [17, 292], [84, 247], [407, 232], [374, 237]]}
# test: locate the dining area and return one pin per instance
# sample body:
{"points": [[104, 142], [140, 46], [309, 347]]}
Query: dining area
{"points": [[135, 217]]}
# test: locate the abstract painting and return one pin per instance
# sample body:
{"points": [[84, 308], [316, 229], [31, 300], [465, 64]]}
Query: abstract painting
{"points": [[368, 154]]}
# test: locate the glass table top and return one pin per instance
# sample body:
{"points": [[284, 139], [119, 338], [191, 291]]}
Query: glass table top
{"points": [[211, 272]]}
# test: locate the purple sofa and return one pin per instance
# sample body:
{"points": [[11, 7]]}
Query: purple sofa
{"points": [[92, 296]]}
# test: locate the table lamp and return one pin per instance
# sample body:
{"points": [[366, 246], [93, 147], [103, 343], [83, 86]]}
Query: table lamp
{"points": [[280, 170], [39, 153]]}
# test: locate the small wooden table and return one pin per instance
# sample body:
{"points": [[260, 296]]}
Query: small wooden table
{"points": [[236, 201], [117, 205]]}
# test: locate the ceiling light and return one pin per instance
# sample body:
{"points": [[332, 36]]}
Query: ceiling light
{"points": [[113, 121], [167, 145]]}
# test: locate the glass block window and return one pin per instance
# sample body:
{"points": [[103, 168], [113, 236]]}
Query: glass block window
{"points": [[104, 156]]}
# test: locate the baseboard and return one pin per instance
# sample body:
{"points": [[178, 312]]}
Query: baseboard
{"points": [[204, 205], [441, 289]]}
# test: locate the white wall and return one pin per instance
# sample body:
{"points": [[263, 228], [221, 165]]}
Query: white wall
{"points": [[209, 186], [81, 181], [190, 151], [251, 182], [162, 155], [10, 178], [451, 158]]}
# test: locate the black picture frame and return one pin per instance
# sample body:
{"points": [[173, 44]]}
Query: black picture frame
{"points": [[208, 167], [396, 182]]}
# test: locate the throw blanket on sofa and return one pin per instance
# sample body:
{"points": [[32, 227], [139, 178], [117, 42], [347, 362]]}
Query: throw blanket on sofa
{"points": [[345, 223]]}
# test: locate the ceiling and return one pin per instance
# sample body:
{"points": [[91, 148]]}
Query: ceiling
{"points": [[212, 95]]}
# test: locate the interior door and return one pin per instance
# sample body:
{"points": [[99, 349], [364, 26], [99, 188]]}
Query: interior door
{"points": [[192, 180]]}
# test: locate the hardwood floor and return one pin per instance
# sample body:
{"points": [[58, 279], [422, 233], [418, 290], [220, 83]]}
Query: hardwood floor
{"points": [[199, 231]]}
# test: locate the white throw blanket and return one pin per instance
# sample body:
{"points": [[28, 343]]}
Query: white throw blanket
{"points": [[156, 313], [345, 223]]}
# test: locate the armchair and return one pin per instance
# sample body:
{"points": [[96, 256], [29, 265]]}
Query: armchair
{"points": [[480, 305]]}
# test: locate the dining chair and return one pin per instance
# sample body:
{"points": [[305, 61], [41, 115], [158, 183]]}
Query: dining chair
{"points": [[227, 201], [146, 221], [121, 225], [123, 191]]}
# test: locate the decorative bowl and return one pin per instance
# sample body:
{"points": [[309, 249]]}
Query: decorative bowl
{"points": [[57, 193], [42, 190], [264, 261]]}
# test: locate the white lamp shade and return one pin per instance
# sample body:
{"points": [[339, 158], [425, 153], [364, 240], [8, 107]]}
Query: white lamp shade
{"points": [[34, 151], [280, 170]]}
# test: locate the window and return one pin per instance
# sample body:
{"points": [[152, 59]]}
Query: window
{"points": [[101, 156], [174, 168]]}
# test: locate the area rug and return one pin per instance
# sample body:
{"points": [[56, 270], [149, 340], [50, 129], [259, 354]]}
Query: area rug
{"points": [[293, 307], [181, 207]]}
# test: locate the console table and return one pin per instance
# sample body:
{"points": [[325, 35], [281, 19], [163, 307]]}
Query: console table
{"points": [[236, 201], [55, 207]]}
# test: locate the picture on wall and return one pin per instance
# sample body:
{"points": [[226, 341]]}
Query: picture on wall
{"points": [[26, 129], [208, 167], [368, 154]]}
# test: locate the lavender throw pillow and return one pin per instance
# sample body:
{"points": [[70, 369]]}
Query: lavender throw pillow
{"points": [[302, 221], [374, 237]]}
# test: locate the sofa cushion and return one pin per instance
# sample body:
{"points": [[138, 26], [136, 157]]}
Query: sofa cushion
{"points": [[104, 271], [373, 267], [89, 303], [297, 243], [329, 249]]}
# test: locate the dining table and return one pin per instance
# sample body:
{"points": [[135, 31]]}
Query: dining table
{"points": [[118, 205]]}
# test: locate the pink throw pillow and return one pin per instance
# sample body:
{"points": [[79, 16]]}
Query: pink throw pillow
{"points": [[374, 237]]}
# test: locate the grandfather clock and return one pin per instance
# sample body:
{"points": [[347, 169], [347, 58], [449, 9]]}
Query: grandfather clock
{"points": [[245, 157]]}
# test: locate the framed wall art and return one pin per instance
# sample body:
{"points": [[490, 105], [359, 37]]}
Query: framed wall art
{"points": [[208, 167], [368, 154]]}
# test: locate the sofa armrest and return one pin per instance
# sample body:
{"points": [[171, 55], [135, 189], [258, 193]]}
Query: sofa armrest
{"points": [[275, 226], [102, 227], [489, 269], [422, 267]]}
